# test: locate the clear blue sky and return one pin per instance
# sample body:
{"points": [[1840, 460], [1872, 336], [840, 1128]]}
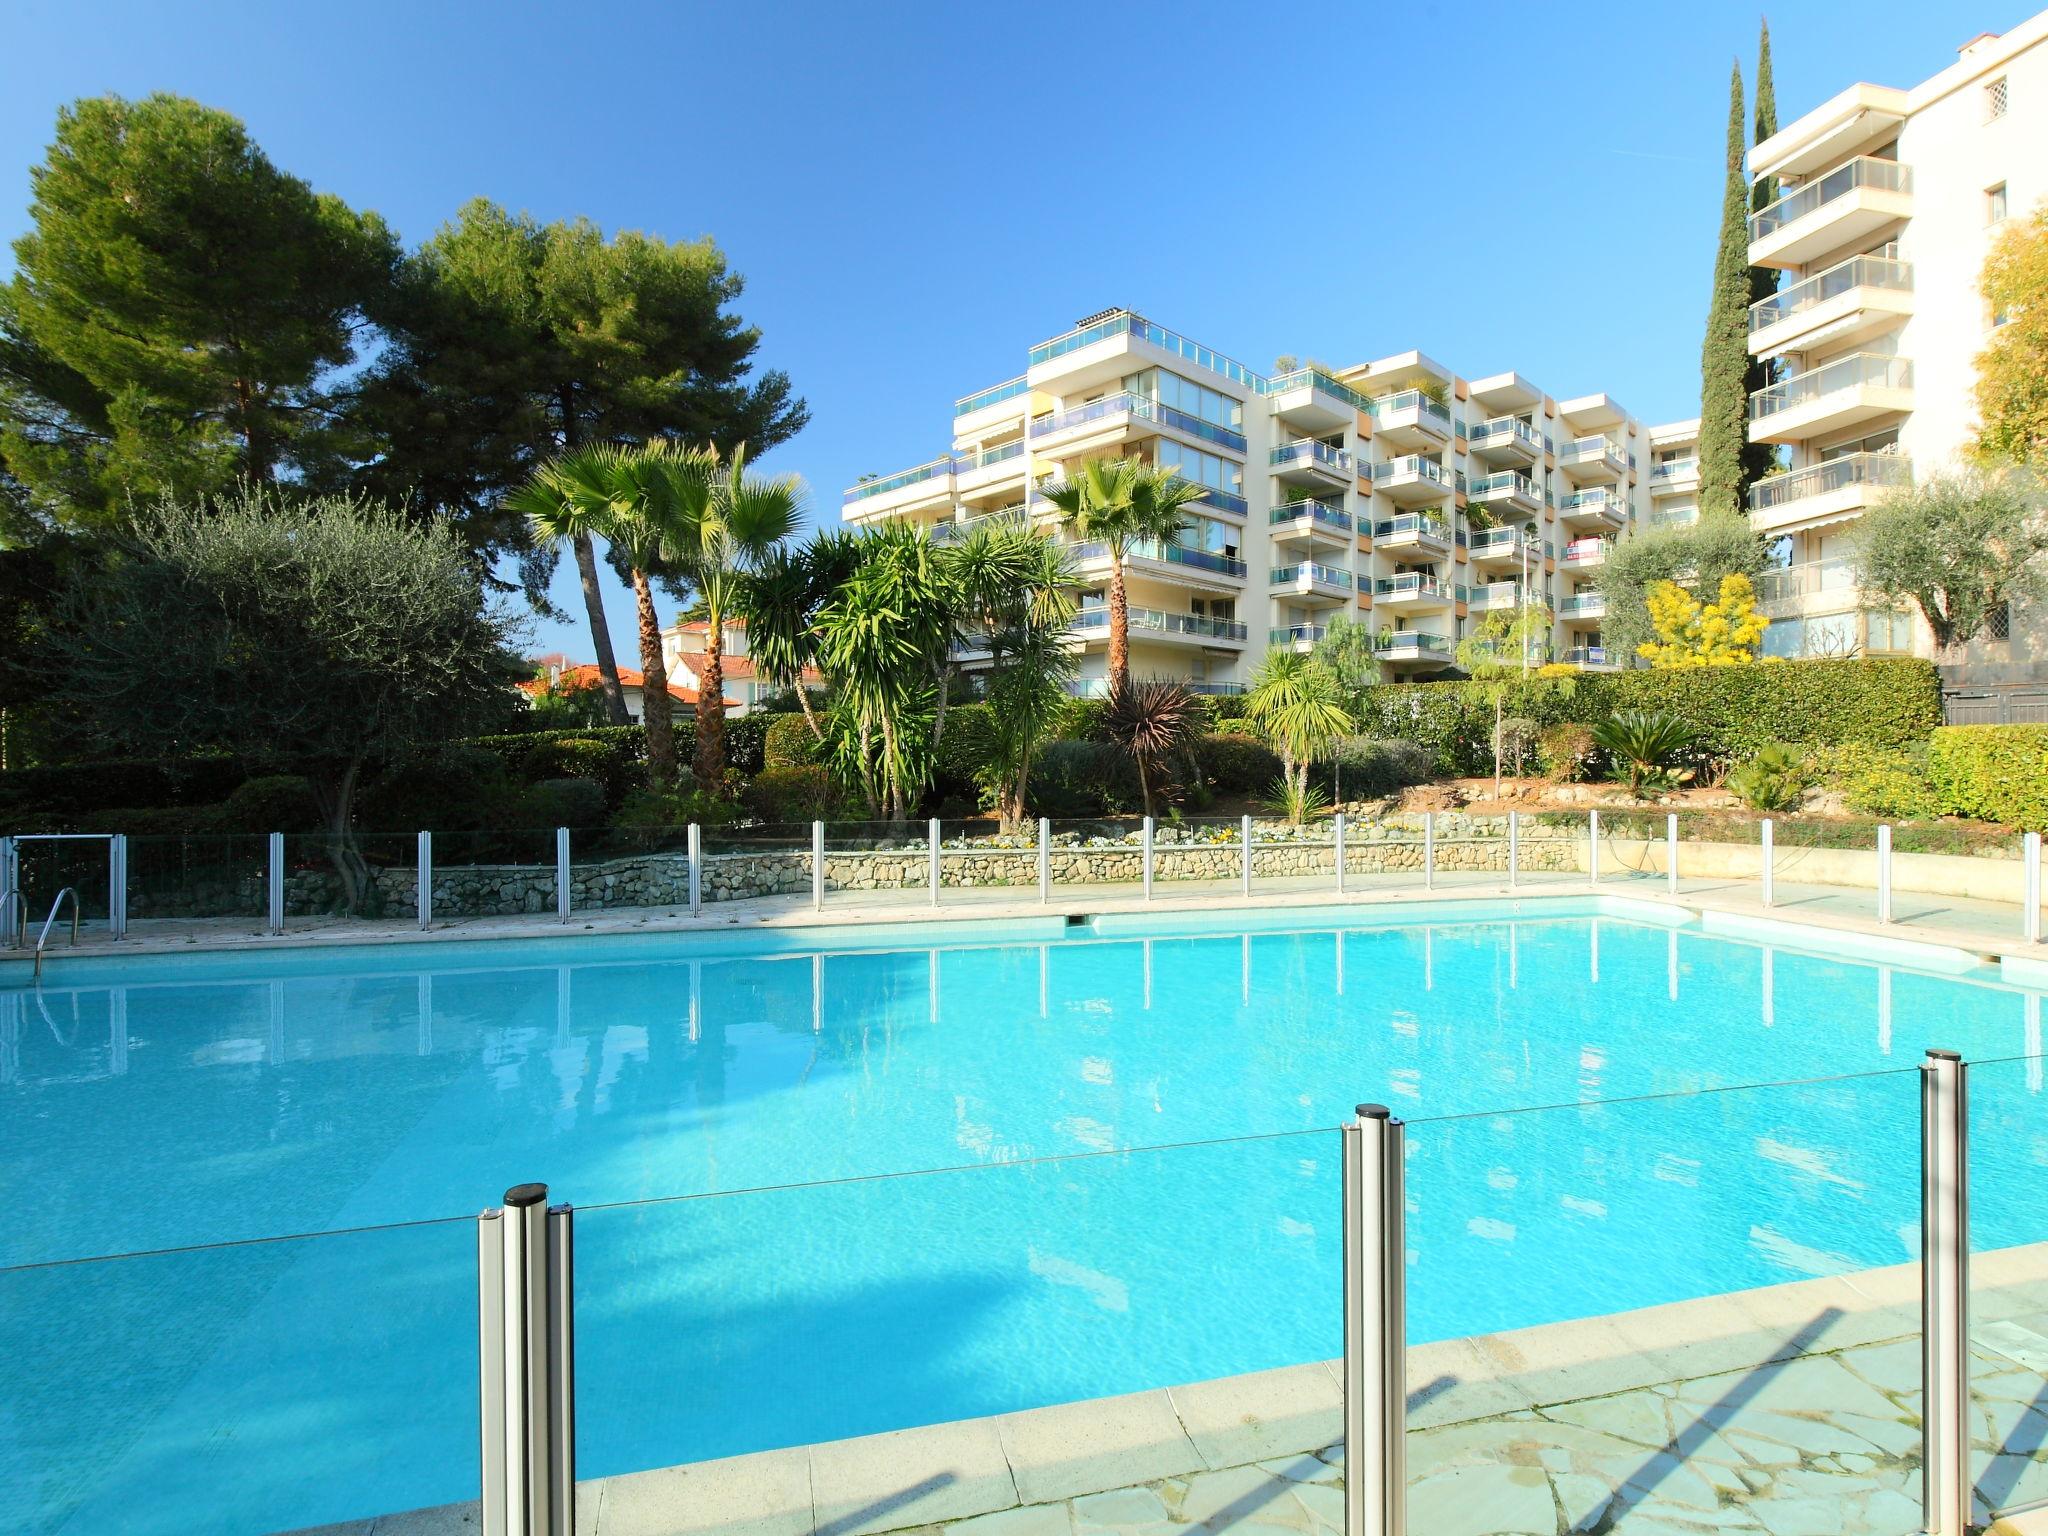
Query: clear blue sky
{"points": [[917, 193]]}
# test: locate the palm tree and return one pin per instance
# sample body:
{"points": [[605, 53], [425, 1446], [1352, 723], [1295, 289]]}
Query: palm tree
{"points": [[1122, 503], [1295, 700], [617, 493], [1016, 591], [781, 600]]}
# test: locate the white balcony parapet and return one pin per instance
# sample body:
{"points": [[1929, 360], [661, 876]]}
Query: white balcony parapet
{"points": [[1859, 370], [1863, 171]]}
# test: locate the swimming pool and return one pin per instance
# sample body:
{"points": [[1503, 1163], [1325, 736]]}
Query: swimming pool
{"points": [[164, 1105]]}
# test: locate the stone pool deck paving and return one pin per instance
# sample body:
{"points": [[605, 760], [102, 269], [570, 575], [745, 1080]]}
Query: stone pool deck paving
{"points": [[1787, 1411]]}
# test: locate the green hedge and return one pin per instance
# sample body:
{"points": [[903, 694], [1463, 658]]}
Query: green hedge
{"points": [[1993, 773]]}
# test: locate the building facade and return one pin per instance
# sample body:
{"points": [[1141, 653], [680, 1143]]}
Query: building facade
{"points": [[1396, 493], [1889, 202]]}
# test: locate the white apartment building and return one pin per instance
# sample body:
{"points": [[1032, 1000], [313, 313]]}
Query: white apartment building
{"points": [[1396, 492], [1889, 202]]}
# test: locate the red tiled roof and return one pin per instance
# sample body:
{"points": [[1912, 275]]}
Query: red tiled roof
{"points": [[586, 675]]}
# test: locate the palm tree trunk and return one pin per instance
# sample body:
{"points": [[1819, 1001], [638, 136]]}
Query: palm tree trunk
{"points": [[711, 704], [658, 709], [1119, 626], [600, 631], [1496, 746], [803, 702], [892, 780]]}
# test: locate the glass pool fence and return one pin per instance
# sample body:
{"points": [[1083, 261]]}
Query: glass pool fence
{"points": [[1424, 1306]]}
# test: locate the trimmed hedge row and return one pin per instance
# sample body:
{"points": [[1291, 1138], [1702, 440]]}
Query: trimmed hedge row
{"points": [[1993, 773]]}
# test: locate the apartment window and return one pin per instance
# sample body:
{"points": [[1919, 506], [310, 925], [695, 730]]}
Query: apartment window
{"points": [[1889, 633], [1995, 100], [1186, 395], [1218, 474], [1994, 204]]}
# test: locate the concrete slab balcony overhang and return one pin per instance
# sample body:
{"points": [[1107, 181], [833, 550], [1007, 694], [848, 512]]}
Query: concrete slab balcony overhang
{"points": [[1506, 442], [1412, 592], [1836, 208], [1504, 548], [1506, 494], [1582, 610], [1311, 463], [1592, 460], [1310, 525], [1309, 582], [1117, 343], [1597, 511], [1674, 477], [992, 408], [1098, 426], [1312, 403], [1159, 626], [1851, 301], [924, 488], [1825, 493], [1504, 393], [1584, 554], [1412, 533], [1413, 481], [1410, 647], [1198, 570], [1843, 393], [1411, 422]]}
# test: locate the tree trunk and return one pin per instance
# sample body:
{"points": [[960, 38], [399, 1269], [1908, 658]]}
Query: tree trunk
{"points": [[657, 708], [803, 702], [1119, 626], [711, 705], [1496, 746], [1144, 782], [892, 781], [336, 799], [593, 594]]}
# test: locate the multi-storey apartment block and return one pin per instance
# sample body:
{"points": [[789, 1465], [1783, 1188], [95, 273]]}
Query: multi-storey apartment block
{"points": [[1396, 493], [1889, 200]]}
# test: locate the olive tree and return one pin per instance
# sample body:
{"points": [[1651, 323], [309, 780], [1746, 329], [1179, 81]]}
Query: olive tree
{"points": [[1956, 548], [329, 634]]}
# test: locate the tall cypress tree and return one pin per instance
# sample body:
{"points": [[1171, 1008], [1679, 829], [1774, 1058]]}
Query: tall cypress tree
{"points": [[1759, 458], [1724, 354]]}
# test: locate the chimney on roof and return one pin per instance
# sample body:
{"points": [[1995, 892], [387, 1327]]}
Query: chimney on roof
{"points": [[1975, 43]]}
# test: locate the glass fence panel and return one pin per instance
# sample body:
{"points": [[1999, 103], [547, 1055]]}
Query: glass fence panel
{"points": [[2008, 1136], [873, 862], [1294, 856], [198, 877], [1102, 854], [365, 877], [768, 859], [629, 866], [268, 1386], [1699, 1309], [494, 874], [49, 866], [979, 863], [720, 1325], [1552, 848], [1198, 856], [1469, 850]]}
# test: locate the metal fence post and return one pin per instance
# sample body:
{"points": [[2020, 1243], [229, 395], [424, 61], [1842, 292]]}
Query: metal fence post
{"points": [[2030, 882], [1375, 1326], [1770, 855], [696, 854], [1246, 827], [1044, 861], [1147, 858], [15, 904], [1592, 847], [424, 885], [117, 885], [817, 865], [1339, 834], [562, 902], [933, 837], [1884, 873], [1671, 850], [276, 882], [1429, 850], [1514, 848], [1945, 1293], [527, 1388]]}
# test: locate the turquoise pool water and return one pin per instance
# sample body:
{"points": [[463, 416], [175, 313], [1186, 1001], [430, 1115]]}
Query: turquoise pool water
{"points": [[265, 1386]]}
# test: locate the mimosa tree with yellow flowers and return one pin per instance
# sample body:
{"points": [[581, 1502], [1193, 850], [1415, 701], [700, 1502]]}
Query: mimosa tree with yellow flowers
{"points": [[1723, 633]]}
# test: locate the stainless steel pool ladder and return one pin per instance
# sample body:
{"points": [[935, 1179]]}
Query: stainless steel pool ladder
{"points": [[50, 921]]}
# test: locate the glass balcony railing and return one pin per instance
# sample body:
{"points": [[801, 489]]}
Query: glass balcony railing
{"points": [[1856, 272], [1142, 408], [1171, 554], [1863, 171], [1308, 570], [1583, 605], [1505, 483], [1229, 501], [1602, 500], [1859, 370], [1009, 389], [1674, 469], [988, 456], [1413, 525], [1411, 466], [1157, 621], [1581, 449], [958, 531], [1296, 634], [1318, 512], [1805, 579], [1503, 430], [1308, 451], [1505, 541], [1411, 640], [1316, 378], [1124, 323], [1497, 594], [1587, 656], [1414, 584], [1879, 469], [1414, 400], [933, 470]]}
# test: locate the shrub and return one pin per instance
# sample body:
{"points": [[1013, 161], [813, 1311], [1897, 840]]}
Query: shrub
{"points": [[1879, 782], [797, 792], [1992, 772], [569, 757], [1239, 727], [1235, 762], [617, 760], [1643, 743], [1773, 780], [1518, 738], [458, 788], [278, 802], [1567, 752], [1081, 720], [1360, 769], [64, 790], [966, 750], [745, 737], [788, 743], [651, 810], [577, 804], [1083, 778]]}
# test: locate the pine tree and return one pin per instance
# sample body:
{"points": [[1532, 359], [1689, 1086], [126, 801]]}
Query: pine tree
{"points": [[1724, 354], [1760, 458]]}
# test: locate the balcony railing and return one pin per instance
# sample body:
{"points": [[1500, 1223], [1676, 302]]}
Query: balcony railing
{"points": [[1229, 501], [1497, 594], [932, 470], [1580, 449], [1296, 634], [1583, 605], [1805, 579], [1142, 408], [1505, 482], [1417, 524], [1309, 451], [1863, 171], [1505, 541], [1587, 655], [1413, 400], [1674, 469], [1009, 389], [1505, 429], [1601, 500], [1881, 469], [1410, 640], [1856, 272], [1290, 575], [1171, 554], [1412, 464], [1856, 371], [1158, 621], [1319, 512], [957, 532], [1413, 584], [1124, 323], [1585, 551], [1315, 378]]}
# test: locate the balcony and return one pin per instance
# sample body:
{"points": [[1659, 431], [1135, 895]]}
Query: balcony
{"points": [[1312, 402], [1788, 586], [1853, 300], [912, 490], [1411, 422], [1506, 491], [1121, 418], [1674, 477], [1593, 658], [1505, 441], [1849, 203], [1589, 460], [1396, 647], [1583, 608], [1823, 493], [1495, 548], [1414, 592], [1310, 581], [1308, 462], [1584, 554], [1296, 637], [1201, 569], [976, 472], [1154, 623], [1004, 394], [1840, 394], [1494, 595], [960, 531], [1309, 522], [1412, 481], [1597, 511], [1412, 531]]}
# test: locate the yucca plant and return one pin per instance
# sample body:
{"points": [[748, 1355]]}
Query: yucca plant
{"points": [[1645, 742], [1297, 801], [1149, 722]]}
